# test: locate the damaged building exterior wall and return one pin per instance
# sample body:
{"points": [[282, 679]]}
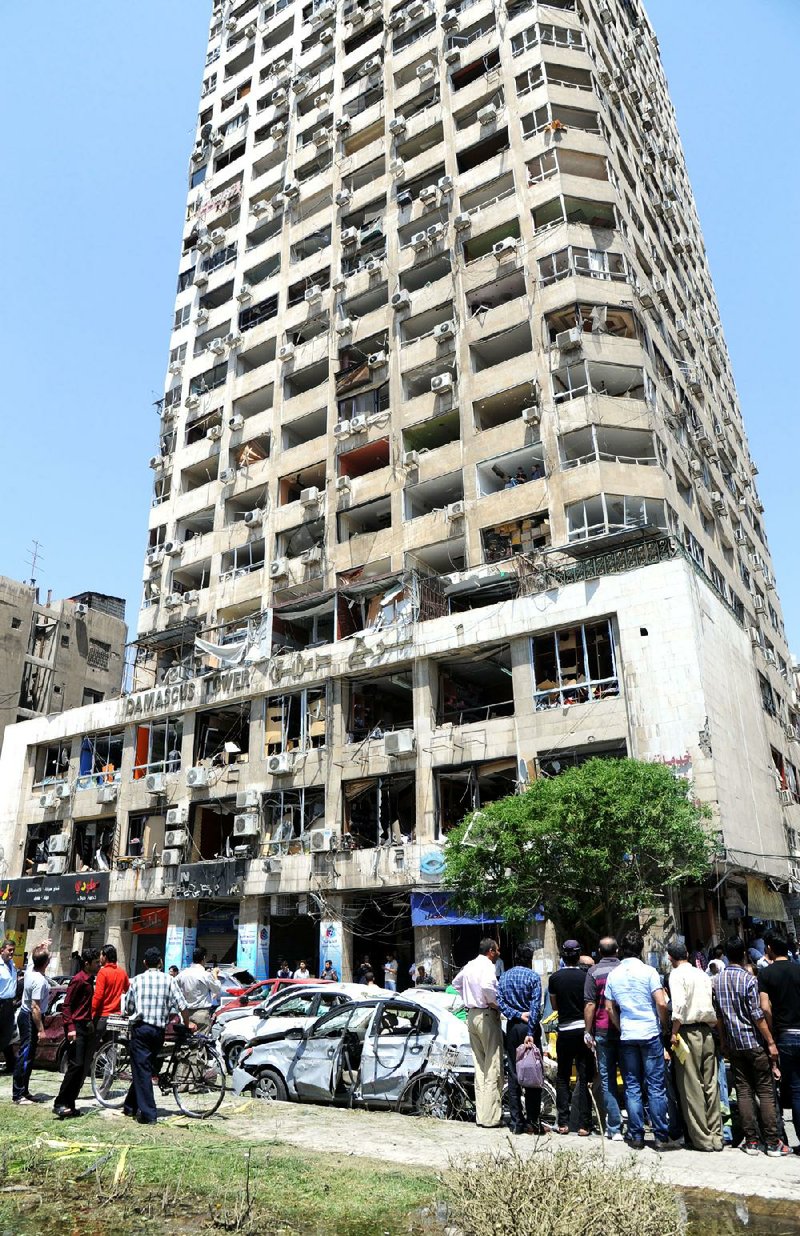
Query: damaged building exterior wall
{"points": [[451, 491]]}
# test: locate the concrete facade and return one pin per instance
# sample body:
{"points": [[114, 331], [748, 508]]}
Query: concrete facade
{"points": [[452, 490]]}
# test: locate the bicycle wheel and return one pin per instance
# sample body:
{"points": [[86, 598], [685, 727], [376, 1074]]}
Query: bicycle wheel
{"points": [[111, 1074], [549, 1114], [440, 1098], [198, 1081]]}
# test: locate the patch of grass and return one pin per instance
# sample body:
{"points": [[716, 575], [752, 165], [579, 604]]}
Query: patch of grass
{"points": [[187, 1176], [559, 1194]]}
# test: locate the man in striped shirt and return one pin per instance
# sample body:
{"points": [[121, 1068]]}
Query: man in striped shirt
{"points": [[152, 999], [519, 996], [748, 1043]]}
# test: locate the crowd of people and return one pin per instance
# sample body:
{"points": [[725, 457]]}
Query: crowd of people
{"points": [[668, 1041]]}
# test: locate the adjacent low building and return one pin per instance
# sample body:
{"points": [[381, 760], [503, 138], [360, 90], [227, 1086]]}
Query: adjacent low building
{"points": [[452, 491]]}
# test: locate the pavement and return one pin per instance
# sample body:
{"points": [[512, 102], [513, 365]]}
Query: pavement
{"points": [[435, 1145]]}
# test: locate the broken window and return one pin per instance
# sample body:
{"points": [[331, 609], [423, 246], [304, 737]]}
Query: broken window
{"points": [[605, 514], [291, 487], [289, 816], [368, 518], [211, 830], [475, 689], [302, 624], [52, 763], [550, 764], [93, 845], [364, 459], [222, 736], [468, 787], [39, 851], [379, 811], [510, 471], [767, 696], [609, 443], [516, 536], [295, 722], [589, 319], [158, 747], [145, 836], [437, 431], [34, 692], [434, 495], [370, 605], [100, 758], [574, 260], [574, 665], [296, 542], [378, 705]]}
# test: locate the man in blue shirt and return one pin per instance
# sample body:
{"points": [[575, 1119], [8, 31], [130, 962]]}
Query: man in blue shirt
{"points": [[637, 1008], [8, 994], [519, 996]]}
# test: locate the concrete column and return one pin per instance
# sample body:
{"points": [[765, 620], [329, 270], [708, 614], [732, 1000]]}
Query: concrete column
{"points": [[432, 950], [252, 946], [118, 933], [425, 685], [181, 934]]}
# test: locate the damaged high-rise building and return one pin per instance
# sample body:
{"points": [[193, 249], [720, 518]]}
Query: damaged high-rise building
{"points": [[451, 491]]}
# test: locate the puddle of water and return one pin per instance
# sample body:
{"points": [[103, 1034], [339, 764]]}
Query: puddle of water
{"points": [[714, 1214]]}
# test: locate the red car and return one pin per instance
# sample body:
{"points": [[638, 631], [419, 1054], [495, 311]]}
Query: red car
{"points": [[255, 993]]}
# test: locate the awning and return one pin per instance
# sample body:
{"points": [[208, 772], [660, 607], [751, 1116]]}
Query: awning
{"points": [[763, 902], [437, 910]]}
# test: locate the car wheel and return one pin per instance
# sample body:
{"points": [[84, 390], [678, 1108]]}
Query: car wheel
{"points": [[270, 1085], [232, 1053]]}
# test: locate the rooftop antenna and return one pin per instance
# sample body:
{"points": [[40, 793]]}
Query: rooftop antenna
{"points": [[34, 557]]}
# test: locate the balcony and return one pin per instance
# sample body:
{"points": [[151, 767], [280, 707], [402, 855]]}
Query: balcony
{"points": [[615, 515]]}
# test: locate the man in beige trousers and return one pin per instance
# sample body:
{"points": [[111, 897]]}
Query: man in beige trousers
{"points": [[693, 1017], [476, 984]]}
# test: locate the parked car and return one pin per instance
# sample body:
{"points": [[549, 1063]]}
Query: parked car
{"points": [[286, 1010], [51, 1051], [365, 1052], [257, 993]]}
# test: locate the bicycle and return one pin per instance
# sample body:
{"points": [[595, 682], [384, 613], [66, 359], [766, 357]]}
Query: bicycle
{"points": [[192, 1069], [441, 1094]]}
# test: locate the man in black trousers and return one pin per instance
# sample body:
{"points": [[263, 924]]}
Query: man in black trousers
{"points": [[76, 1015]]}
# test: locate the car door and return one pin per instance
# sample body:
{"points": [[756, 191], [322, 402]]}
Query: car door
{"points": [[398, 1047], [328, 1058], [298, 1008]]}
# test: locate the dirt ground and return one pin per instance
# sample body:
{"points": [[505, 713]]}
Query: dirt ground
{"points": [[424, 1143]]}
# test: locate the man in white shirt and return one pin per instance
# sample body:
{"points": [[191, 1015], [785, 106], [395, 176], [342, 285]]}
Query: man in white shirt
{"points": [[390, 972], [302, 971], [200, 989], [476, 985], [693, 1016], [30, 1023]]}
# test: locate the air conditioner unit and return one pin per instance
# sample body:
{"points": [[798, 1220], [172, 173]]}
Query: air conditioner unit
{"points": [[214, 433], [442, 382], [198, 777], [278, 96], [357, 16], [191, 597], [279, 765], [398, 168], [419, 241], [278, 202], [695, 467], [198, 154], [568, 340], [343, 485], [681, 328], [299, 85], [81, 610], [428, 194], [395, 20], [770, 656], [740, 536], [416, 8], [277, 133], [58, 844], [375, 360], [176, 838], [201, 317], [291, 189], [372, 264], [154, 557], [322, 100], [171, 858], [435, 232], [74, 915], [251, 30], [342, 198], [64, 790], [411, 459], [216, 346], [349, 236], [444, 184], [107, 793], [227, 476], [344, 326], [286, 352], [401, 300], [176, 816], [236, 421], [310, 496], [717, 498], [173, 600], [758, 605], [155, 783], [248, 798], [309, 556], [462, 222], [358, 424], [57, 866], [157, 462], [426, 69], [444, 330], [397, 126], [278, 568], [454, 511], [505, 248], [399, 742], [321, 840], [452, 56], [326, 35], [200, 279], [259, 208], [646, 299], [254, 517], [373, 65], [341, 429], [176, 367], [322, 137], [312, 294]]}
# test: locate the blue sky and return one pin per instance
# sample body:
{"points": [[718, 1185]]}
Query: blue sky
{"points": [[95, 146]]}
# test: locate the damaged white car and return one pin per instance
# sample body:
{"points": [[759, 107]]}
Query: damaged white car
{"points": [[381, 1052]]}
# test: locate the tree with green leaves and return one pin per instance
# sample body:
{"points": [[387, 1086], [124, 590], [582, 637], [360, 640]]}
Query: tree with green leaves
{"points": [[593, 848]]}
